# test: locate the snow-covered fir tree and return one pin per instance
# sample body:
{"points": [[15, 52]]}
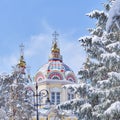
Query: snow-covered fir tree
{"points": [[100, 100], [13, 94], [18, 108]]}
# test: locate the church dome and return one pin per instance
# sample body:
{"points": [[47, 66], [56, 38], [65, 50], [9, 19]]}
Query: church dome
{"points": [[55, 69]]}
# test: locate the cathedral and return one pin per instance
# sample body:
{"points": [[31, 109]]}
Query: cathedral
{"points": [[51, 77]]}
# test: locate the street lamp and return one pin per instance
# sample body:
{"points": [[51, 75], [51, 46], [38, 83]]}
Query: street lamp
{"points": [[38, 95]]}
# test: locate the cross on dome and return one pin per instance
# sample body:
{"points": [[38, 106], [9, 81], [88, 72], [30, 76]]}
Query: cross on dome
{"points": [[22, 49], [55, 42], [55, 50], [55, 34]]}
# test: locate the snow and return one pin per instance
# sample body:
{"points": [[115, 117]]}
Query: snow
{"points": [[103, 83], [85, 106], [96, 39], [73, 85], [114, 13], [85, 37], [114, 108], [44, 111], [114, 45], [95, 13], [113, 80], [114, 74], [108, 56]]}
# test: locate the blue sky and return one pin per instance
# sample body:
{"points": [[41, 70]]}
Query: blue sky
{"points": [[32, 23]]}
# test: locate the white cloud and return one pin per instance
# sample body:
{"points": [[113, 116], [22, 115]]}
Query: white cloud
{"points": [[35, 44], [7, 62], [37, 49], [38, 44]]}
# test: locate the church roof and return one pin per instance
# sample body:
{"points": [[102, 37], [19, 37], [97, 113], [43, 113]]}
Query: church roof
{"points": [[55, 69]]}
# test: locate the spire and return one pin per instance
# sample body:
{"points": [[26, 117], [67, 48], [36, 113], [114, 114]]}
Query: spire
{"points": [[55, 51], [22, 63]]}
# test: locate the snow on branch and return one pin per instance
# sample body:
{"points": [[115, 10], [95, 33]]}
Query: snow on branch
{"points": [[86, 41], [113, 46], [98, 31], [113, 111], [115, 74], [95, 14], [114, 16], [86, 107], [109, 56]]}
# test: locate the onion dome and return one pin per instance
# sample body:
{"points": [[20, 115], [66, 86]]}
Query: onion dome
{"points": [[55, 48], [22, 64], [55, 69]]}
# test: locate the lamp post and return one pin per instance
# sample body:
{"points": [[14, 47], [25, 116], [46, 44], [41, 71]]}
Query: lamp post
{"points": [[38, 95]]}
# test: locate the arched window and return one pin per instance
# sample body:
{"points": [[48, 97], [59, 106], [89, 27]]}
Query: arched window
{"points": [[55, 75], [55, 78], [39, 79], [70, 79]]}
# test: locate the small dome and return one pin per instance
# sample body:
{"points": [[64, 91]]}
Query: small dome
{"points": [[55, 48], [22, 63]]}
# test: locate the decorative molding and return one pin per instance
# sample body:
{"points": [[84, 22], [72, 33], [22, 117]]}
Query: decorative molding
{"points": [[55, 89]]}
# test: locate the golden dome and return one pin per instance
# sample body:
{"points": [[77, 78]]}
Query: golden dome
{"points": [[55, 48], [22, 63]]}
